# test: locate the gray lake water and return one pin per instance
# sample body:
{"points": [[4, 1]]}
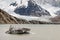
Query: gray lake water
{"points": [[38, 32]]}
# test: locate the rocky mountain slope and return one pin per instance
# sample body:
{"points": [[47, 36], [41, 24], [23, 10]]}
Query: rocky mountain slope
{"points": [[5, 18], [56, 20]]}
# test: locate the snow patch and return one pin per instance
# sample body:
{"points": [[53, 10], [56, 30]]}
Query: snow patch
{"points": [[51, 9]]}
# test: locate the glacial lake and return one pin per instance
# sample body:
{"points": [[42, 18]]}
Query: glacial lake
{"points": [[38, 32]]}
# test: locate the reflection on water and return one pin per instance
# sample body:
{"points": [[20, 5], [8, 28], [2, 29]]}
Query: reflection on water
{"points": [[38, 32]]}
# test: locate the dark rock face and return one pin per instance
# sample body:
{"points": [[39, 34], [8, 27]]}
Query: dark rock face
{"points": [[32, 10], [18, 31]]}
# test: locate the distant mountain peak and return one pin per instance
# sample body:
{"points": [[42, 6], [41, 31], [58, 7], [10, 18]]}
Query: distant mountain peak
{"points": [[32, 9]]}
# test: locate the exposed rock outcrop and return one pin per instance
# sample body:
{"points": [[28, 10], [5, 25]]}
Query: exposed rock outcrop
{"points": [[56, 20], [6, 18]]}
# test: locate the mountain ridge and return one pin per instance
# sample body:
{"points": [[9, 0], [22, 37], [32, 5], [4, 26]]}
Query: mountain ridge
{"points": [[32, 10]]}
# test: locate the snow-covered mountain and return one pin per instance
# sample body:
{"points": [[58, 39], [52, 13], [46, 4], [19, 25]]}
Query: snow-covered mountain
{"points": [[23, 5], [32, 9], [36, 8]]}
